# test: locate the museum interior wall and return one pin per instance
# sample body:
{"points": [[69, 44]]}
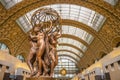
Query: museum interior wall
{"points": [[12, 66], [107, 68]]}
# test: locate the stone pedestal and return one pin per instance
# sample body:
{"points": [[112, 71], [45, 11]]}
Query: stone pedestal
{"points": [[41, 78]]}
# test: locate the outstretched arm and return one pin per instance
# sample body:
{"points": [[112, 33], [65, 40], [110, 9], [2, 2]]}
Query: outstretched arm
{"points": [[32, 36], [49, 27], [59, 35]]}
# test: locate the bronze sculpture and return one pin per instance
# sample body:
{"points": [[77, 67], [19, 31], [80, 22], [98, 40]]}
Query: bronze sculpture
{"points": [[46, 29]]}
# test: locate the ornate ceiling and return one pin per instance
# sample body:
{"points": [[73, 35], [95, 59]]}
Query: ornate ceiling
{"points": [[83, 50]]}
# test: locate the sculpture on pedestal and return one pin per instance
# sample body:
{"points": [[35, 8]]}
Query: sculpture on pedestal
{"points": [[43, 57]]}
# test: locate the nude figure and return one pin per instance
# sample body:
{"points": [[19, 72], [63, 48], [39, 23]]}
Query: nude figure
{"points": [[32, 55], [41, 47], [53, 52], [46, 59]]}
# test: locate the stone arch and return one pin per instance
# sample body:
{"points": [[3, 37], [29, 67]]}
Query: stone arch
{"points": [[102, 54], [23, 53], [116, 42], [9, 44]]}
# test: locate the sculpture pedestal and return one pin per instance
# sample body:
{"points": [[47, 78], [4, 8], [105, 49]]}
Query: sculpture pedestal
{"points": [[40, 78]]}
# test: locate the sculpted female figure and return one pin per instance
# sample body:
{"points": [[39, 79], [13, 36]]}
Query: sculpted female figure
{"points": [[32, 55], [46, 59], [41, 47], [53, 53]]}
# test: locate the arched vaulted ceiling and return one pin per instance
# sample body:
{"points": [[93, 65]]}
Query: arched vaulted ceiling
{"points": [[64, 56], [71, 12], [79, 37], [70, 52]]}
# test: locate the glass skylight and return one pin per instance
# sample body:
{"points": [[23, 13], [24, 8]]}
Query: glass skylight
{"points": [[69, 54], [24, 21], [79, 13], [78, 33], [66, 57], [68, 64], [73, 42], [112, 2], [70, 49], [9, 3], [75, 12]]}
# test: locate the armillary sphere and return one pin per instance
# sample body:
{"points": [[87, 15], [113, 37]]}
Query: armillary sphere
{"points": [[44, 17]]}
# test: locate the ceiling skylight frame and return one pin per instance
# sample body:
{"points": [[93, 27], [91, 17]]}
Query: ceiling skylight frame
{"points": [[9, 3]]}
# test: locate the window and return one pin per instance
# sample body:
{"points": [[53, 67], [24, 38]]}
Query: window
{"points": [[78, 33], [70, 54], [9, 3], [70, 49], [20, 57], [1, 67], [112, 67], [118, 64], [68, 64], [106, 68], [112, 2], [73, 42], [4, 47]]}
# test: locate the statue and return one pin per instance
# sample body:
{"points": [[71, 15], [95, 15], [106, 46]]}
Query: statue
{"points": [[43, 39]]}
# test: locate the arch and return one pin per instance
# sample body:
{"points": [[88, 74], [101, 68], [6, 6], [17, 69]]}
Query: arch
{"points": [[67, 60], [80, 33], [116, 42], [80, 25], [35, 4], [101, 55], [23, 53], [69, 52], [73, 59], [69, 56], [76, 38], [9, 44], [62, 44], [76, 44], [70, 60], [20, 57]]}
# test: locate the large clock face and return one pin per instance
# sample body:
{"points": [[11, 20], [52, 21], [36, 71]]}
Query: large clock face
{"points": [[63, 72]]}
